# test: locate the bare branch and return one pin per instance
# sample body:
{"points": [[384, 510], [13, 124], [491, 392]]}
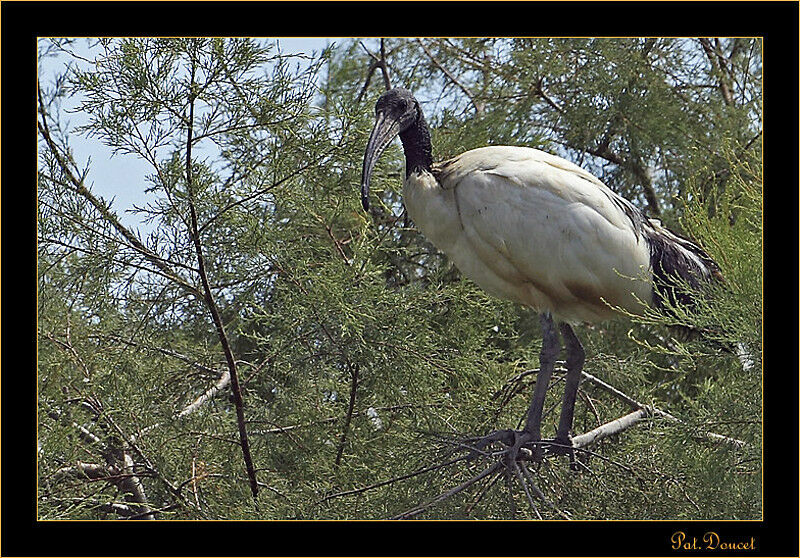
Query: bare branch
{"points": [[648, 410], [610, 428], [384, 69], [119, 470], [392, 480], [377, 62]]}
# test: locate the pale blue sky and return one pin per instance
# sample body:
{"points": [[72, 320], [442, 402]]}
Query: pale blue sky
{"points": [[122, 177]]}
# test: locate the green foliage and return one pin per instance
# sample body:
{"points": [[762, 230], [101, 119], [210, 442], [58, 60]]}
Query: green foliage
{"points": [[363, 355]]}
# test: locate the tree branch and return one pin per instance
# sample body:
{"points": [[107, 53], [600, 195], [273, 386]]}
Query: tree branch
{"points": [[717, 64], [539, 89], [452, 492], [108, 215], [353, 368], [636, 166], [610, 428], [119, 469], [392, 480], [477, 105], [210, 302], [376, 63], [631, 420]]}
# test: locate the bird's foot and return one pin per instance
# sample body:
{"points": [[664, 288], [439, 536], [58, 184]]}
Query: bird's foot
{"points": [[477, 446], [522, 445]]}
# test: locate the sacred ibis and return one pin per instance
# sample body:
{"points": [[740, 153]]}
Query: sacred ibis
{"points": [[539, 230]]}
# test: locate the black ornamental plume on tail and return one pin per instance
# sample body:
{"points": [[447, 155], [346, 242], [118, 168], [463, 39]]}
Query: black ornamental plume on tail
{"points": [[678, 263]]}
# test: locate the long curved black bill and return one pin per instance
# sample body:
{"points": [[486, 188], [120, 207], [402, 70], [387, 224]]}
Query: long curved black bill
{"points": [[384, 131]]}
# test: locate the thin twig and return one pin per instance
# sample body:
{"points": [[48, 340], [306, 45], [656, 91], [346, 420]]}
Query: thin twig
{"points": [[483, 492], [718, 62], [539, 493], [477, 105], [108, 215], [376, 63], [392, 480], [452, 492], [543, 94]]}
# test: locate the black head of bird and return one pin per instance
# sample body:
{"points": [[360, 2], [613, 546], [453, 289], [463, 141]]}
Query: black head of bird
{"points": [[397, 112]]}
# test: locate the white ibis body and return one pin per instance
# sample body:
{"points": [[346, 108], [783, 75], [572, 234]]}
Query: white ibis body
{"points": [[536, 229]]}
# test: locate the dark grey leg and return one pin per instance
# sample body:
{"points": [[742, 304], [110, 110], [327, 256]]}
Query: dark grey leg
{"points": [[547, 360], [575, 359], [531, 434]]}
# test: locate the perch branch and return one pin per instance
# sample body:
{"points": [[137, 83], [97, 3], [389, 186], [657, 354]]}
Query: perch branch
{"points": [[650, 410]]}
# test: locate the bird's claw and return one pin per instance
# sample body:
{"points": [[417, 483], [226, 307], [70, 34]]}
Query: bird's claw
{"points": [[523, 446], [504, 436]]}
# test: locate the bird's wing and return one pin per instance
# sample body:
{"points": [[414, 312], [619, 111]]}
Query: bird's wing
{"points": [[453, 170], [509, 160], [539, 220]]}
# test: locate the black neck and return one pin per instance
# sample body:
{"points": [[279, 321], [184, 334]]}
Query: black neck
{"points": [[417, 146]]}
